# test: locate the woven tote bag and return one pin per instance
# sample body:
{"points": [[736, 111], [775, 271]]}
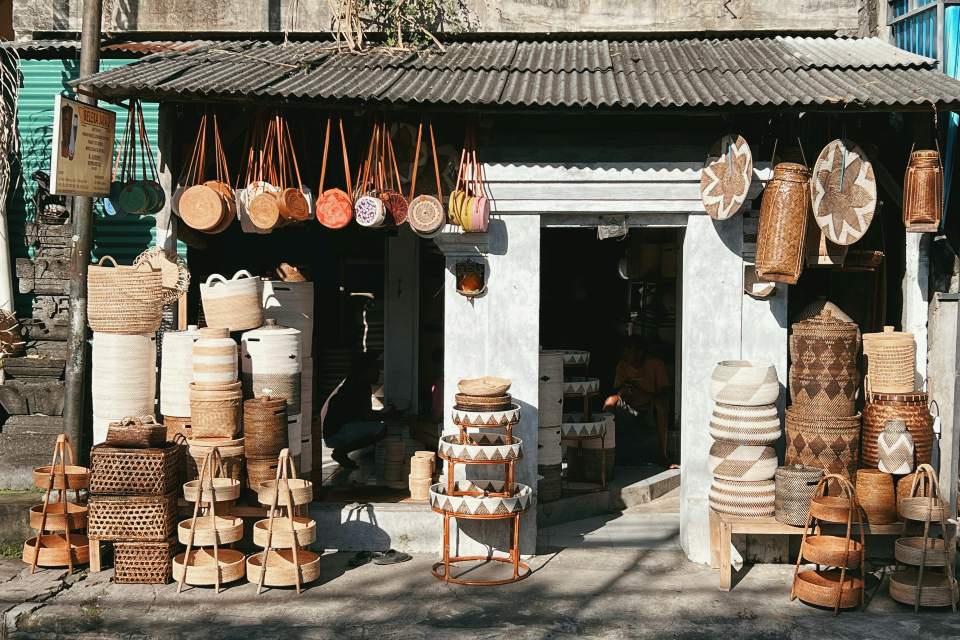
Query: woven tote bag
{"points": [[124, 299]]}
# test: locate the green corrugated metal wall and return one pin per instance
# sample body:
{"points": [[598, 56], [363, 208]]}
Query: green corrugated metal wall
{"points": [[122, 236]]}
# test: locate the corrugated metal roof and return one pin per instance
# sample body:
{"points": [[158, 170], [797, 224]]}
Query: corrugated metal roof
{"points": [[676, 72], [48, 47]]}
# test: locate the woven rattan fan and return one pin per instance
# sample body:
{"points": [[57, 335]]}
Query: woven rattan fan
{"points": [[174, 275]]}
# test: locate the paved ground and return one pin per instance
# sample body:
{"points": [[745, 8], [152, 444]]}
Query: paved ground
{"points": [[622, 577]]}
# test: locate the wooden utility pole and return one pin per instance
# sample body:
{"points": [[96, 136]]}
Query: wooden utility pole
{"points": [[75, 374]]}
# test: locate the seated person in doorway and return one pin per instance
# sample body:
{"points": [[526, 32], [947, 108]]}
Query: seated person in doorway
{"points": [[640, 404], [348, 421]]}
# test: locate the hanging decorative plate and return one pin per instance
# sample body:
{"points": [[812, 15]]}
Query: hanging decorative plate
{"points": [[843, 192], [726, 176]]}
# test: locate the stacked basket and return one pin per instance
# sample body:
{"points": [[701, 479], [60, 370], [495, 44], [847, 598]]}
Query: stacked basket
{"points": [[123, 310], [823, 426], [422, 468], [589, 459], [264, 437], [743, 425], [133, 485], [549, 451]]}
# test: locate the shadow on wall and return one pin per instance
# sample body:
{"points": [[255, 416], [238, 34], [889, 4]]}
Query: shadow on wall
{"points": [[359, 531]]}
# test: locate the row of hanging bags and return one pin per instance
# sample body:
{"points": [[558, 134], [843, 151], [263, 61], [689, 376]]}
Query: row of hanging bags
{"points": [[206, 204], [425, 213], [335, 206], [129, 193], [469, 207], [378, 182]]}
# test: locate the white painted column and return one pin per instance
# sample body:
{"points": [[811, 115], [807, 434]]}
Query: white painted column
{"points": [[916, 279], [401, 320], [497, 334], [711, 329]]}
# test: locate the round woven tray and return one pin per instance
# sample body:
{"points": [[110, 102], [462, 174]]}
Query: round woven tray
{"points": [[820, 588], [54, 551], [281, 572], [228, 529], [77, 477], [831, 551], [830, 508], [76, 517], [936, 591], [480, 403], [301, 490], [282, 538], [222, 490], [918, 508], [910, 551], [202, 567]]}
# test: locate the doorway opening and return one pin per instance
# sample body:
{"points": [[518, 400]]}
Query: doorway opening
{"points": [[618, 299]]}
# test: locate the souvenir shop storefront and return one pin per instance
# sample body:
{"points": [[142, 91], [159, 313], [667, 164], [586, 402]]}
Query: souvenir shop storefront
{"points": [[592, 204]]}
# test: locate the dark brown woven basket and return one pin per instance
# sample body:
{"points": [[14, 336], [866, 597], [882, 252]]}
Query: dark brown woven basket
{"points": [[483, 403], [794, 488], [831, 444], [136, 472], [259, 470], [264, 427], [177, 426], [136, 433], [911, 408], [143, 562], [782, 229], [132, 518]]}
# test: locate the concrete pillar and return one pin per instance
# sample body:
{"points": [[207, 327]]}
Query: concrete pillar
{"points": [[401, 321], [711, 330], [497, 334], [916, 293], [165, 222], [944, 391]]}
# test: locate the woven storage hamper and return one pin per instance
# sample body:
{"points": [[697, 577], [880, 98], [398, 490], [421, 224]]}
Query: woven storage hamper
{"points": [[782, 229], [136, 472], [730, 461], [877, 496], [911, 408], [550, 388], [143, 562], [896, 449], [744, 383], [891, 361], [233, 304], [132, 518], [177, 426], [795, 485], [264, 427], [825, 393], [176, 371], [231, 454], [549, 451], [549, 482], [270, 364], [291, 305], [215, 410], [259, 470], [831, 444], [123, 376], [743, 499], [758, 425], [124, 299]]}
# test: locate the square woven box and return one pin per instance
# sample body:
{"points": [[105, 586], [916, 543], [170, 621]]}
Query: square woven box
{"points": [[136, 472], [143, 562], [132, 518]]}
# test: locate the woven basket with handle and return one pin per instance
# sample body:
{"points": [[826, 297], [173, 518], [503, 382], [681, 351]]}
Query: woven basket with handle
{"points": [[124, 299], [136, 433]]}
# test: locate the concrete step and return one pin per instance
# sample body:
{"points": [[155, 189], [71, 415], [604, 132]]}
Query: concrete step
{"points": [[34, 424], [639, 486], [20, 453], [633, 530], [378, 526], [15, 516]]}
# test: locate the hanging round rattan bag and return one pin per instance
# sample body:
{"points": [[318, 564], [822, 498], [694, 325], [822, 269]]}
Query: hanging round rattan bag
{"points": [[843, 192]]}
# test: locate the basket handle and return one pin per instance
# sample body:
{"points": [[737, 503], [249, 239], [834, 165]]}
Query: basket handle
{"points": [[242, 273], [110, 258], [842, 481], [215, 277], [148, 421], [925, 473], [130, 421]]}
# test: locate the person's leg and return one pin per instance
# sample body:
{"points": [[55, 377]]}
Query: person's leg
{"points": [[353, 436]]}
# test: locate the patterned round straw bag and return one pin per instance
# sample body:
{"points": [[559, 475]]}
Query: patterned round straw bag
{"points": [[335, 206], [425, 213], [843, 192], [725, 179]]}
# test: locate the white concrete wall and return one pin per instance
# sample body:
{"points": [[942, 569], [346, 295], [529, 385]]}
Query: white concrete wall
{"points": [[915, 283], [402, 320], [497, 334]]}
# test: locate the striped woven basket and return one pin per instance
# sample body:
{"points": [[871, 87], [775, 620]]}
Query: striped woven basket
{"points": [[730, 461], [743, 499], [794, 488], [745, 425]]}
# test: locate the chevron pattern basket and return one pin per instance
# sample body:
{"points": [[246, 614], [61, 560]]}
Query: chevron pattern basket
{"points": [[729, 461]]}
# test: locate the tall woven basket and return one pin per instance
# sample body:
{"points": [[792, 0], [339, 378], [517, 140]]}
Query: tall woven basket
{"points": [[264, 427], [794, 488], [783, 224], [891, 361], [124, 299], [911, 408], [215, 410], [823, 376], [831, 444], [143, 562]]}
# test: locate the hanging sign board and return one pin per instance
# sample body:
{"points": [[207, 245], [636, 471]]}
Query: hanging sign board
{"points": [[82, 149]]}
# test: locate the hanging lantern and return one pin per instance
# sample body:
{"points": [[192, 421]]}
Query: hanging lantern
{"points": [[783, 224], [923, 192]]}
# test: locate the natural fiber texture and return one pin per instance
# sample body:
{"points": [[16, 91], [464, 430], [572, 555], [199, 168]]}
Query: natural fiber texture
{"points": [[264, 427], [176, 371], [133, 519], [276, 385], [910, 550], [177, 426], [730, 461], [923, 192], [136, 472], [876, 495], [783, 224], [136, 433], [896, 450], [891, 361], [143, 562], [124, 299], [924, 501], [821, 588], [232, 304], [831, 551], [937, 590], [743, 499], [912, 410], [214, 357], [823, 374], [260, 470], [843, 191], [831, 444], [233, 463], [744, 383], [745, 425], [794, 488], [215, 413]]}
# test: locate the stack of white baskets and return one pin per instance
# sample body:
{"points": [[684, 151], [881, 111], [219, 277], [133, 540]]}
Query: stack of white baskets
{"points": [[743, 425], [549, 452]]}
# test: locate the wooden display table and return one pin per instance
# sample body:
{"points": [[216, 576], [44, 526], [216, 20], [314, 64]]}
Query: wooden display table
{"points": [[723, 527]]}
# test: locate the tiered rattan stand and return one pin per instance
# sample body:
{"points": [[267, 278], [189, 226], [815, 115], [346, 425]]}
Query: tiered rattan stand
{"points": [[283, 537], [60, 525], [580, 427], [197, 566], [577, 429], [578, 388], [919, 586], [481, 499], [836, 586]]}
